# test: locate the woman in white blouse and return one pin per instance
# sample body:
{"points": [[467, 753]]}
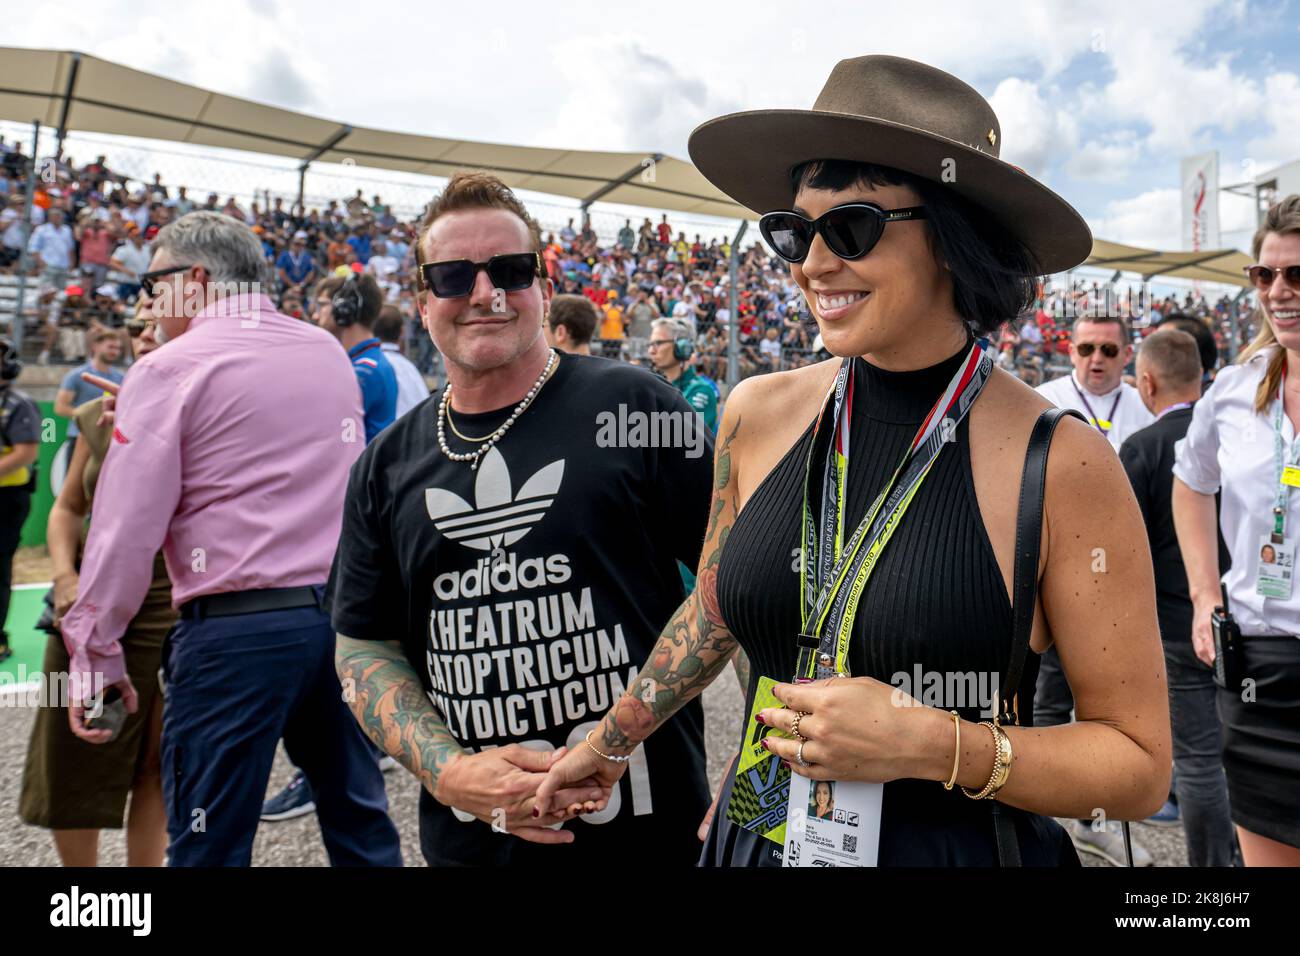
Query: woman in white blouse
{"points": [[1244, 436]]}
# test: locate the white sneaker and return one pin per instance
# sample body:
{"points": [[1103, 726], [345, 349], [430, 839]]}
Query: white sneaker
{"points": [[1107, 844], [387, 763]]}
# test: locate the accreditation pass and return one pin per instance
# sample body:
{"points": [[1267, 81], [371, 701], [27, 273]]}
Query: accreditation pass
{"points": [[830, 823]]}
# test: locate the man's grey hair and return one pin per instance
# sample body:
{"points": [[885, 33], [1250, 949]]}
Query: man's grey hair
{"points": [[228, 249], [678, 328]]}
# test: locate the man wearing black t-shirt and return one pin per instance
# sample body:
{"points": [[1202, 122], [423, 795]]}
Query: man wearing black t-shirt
{"points": [[508, 558]]}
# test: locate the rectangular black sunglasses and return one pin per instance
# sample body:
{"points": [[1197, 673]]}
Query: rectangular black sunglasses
{"points": [[850, 231], [510, 272]]}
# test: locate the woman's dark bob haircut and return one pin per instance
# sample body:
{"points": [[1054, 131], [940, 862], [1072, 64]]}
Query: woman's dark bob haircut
{"points": [[994, 277]]}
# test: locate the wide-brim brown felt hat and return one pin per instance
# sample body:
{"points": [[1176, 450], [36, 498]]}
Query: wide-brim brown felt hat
{"points": [[893, 112]]}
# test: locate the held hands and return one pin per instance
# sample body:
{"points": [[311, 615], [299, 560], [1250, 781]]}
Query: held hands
{"points": [[498, 786], [580, 764], [855, 728]]}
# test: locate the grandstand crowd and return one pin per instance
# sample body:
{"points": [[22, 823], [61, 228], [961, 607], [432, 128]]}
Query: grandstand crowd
{"points": [[92, 227]]}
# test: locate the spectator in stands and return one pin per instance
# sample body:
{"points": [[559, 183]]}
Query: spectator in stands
{"points": [[129, 261], [96, 245], [295, 266]]}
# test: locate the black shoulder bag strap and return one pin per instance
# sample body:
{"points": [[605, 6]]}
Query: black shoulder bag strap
{"points": [[1029, 526]]}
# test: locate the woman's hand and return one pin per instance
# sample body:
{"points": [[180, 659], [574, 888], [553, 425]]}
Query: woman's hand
{"points": [[579, 764], [65, 594], [1202, 633], [497, 786], [857, 728], [703, 831]]}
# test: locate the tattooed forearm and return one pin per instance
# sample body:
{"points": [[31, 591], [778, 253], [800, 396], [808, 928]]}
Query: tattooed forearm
{"points": [[696, 645], [385, 695]]}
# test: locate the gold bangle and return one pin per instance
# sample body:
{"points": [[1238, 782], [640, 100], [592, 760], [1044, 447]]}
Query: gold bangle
{"points": [[1002, 757], [956, 750]]}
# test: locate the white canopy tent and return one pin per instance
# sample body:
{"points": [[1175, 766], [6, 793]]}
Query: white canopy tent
{"points": [[77, 91]]}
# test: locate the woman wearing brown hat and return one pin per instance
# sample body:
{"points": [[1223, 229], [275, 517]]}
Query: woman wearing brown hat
{"points": [[851, 546]]}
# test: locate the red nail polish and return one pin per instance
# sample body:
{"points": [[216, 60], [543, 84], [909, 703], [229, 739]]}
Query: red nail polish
{"points": [[536, 812], [764, 743], [759, 718], [803, 680], [785, 763]]}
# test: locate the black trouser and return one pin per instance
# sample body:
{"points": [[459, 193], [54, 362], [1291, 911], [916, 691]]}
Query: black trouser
{"points": [[15, 503]]}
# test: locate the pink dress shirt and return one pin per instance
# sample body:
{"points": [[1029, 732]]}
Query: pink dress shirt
{"points": [[231, 452]]}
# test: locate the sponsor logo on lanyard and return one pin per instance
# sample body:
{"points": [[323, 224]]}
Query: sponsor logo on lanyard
{"points": [[833, 573]]}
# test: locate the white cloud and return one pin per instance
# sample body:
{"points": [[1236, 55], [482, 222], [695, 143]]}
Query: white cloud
{"points": [[1282, 109], [1150, 220], [1106, 161], [1033, 134]]}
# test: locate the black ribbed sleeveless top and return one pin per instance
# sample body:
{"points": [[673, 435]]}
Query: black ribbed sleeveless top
{"points": [[936, 598]]}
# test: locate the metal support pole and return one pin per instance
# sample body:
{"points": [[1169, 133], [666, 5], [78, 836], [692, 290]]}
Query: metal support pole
{"points": [[733, 330], [24, 261], [1233, 331], [67, 104], [302, 181]]}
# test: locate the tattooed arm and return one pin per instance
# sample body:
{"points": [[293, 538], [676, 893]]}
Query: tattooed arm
{"points": [[497, 785], [693, 649], [385, 695]]}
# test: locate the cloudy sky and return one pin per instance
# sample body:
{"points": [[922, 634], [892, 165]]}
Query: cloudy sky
{"points": [[1100, 100]]}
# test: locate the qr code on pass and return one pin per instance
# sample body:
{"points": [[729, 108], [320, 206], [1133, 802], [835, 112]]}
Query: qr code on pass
{"points": [[850, 843]]}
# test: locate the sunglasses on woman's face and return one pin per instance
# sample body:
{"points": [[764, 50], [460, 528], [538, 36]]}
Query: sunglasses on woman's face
{"points": [[136, 327], [453, 278], [1108, 349], [1263, 276], [850, 231]]}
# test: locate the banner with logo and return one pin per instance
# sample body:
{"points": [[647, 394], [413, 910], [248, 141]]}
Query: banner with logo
{"points": [[1200, 202]]}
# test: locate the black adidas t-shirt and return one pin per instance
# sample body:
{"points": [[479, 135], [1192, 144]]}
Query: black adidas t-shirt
{"points": [[529, 593]]}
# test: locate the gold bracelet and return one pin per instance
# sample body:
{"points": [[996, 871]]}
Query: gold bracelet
{"points": [[1002, 757], [956, 750], [612, 759]]}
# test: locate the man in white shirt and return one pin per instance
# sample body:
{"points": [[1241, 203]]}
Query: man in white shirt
{"points": [[53, 244], [129, 260], [1099, 349], [384, 268], [411, 389]]}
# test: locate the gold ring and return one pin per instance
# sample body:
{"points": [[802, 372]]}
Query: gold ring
{"points": [[794, 728]]}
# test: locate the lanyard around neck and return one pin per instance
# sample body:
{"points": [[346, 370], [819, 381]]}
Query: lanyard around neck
{"points": [[827, 563], [1092, 416], [1281, 460]]}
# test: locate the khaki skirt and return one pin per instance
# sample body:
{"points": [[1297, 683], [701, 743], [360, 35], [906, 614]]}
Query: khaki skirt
{"points": [[71, 784]]}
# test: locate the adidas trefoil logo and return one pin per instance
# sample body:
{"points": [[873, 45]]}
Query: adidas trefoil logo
{"points": [[497, 518]]}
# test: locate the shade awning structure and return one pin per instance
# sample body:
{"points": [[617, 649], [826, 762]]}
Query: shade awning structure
{"points": [[76, 91], [1211, 265]]}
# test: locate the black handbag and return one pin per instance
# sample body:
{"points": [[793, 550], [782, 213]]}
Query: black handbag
{"points": [[1029, 526]]}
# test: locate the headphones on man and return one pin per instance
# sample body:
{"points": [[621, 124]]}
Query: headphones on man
{"points": [[683, 349], [347, 303], [10, 364]]}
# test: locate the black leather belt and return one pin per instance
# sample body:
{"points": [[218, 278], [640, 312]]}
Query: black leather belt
{"points": [[251, 602]]}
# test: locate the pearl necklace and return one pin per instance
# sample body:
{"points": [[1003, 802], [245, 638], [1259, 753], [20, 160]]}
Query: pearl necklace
{"points": [[444, 416]]}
